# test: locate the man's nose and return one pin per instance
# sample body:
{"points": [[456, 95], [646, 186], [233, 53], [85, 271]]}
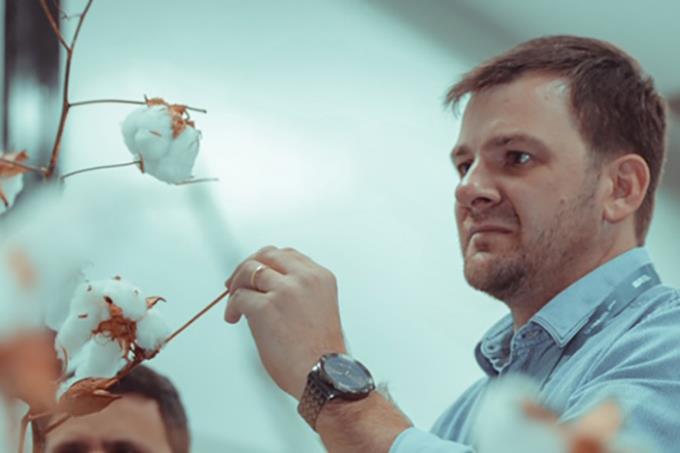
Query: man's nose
{"points": [[477, 189]]}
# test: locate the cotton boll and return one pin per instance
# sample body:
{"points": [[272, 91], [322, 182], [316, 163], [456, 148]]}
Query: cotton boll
{"points": [[153, 121], [73, 335], [163, 137], [103, 359], [152, 330], [502, 425], [152, 147], [42, 272], [126, 296], [178, 164]]}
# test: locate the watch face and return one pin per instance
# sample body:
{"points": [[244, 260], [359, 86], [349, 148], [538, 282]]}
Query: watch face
{"points": [[346, 374]]}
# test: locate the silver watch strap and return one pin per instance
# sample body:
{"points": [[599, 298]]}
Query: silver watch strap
{"points": [[312, 401]]}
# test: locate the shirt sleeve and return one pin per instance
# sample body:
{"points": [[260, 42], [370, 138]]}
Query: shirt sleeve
{"points": [[416, 441], [640, 372]]}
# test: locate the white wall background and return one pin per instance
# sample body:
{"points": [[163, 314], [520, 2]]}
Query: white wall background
{"points": [[326, 129]]}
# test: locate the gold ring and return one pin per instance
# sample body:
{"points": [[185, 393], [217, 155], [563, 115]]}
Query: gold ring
{"points": [[253, 276]]}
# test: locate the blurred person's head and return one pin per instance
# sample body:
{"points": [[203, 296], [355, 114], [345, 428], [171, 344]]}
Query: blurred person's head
{"points": [[149, 418], [559, 155]]}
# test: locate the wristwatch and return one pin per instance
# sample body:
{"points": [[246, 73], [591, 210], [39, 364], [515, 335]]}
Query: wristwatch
{"points": [[334, 376]]}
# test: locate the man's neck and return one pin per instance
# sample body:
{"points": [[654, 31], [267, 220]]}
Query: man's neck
{"points": [[538, 293]]}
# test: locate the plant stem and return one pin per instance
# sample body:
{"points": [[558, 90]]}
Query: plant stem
{"points": [[99, 167], [54, 25], [195, 181], [38, 438], [67, 77], [22, 432], [24, 166], [56, 424], [124, 101], [198, 315]]}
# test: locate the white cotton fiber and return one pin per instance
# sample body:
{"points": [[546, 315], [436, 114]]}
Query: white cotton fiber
{"points": [[126, 296], [152, 330], [103, 359]]}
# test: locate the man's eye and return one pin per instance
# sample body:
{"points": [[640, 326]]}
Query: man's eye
{"points": [[463, 168], [518, 158]]}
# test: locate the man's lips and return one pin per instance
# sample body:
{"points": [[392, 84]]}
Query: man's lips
{"points": [[488, 229]]}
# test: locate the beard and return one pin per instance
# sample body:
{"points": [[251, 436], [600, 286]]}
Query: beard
{"points": [[531, 265]]}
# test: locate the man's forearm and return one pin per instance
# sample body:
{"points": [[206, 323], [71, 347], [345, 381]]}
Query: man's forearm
{"points": [[370, 425]]}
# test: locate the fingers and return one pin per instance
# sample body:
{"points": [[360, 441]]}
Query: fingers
{"points": [[284, 261], [256, 276], [238, 268], [244, 302]]}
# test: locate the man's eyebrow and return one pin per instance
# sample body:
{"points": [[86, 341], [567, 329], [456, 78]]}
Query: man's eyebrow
{"points": [[502, 140], [459, 150], [499, 141]]}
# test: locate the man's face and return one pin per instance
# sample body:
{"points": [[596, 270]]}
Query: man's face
{"points": [[131, 424], [527, 201]]}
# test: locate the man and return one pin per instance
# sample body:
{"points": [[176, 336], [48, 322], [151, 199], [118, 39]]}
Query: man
{"points": [[149, 418], [559, 156]]}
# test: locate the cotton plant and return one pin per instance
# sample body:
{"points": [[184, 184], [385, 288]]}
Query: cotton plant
{"points": [[511, 417], [65, 340]]}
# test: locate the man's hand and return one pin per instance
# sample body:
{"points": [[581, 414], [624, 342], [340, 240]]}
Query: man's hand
{"points": [[291, 304]]}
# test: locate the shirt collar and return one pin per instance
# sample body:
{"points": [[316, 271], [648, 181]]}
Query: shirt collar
{"points": [[567, 312]]}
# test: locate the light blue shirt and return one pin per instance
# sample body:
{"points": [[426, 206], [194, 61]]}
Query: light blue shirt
{"points": [[582, 352]]}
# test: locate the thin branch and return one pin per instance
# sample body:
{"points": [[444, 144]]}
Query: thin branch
{"points": [[195, 181], [40, 170], [56, 424], [99, 167], [80, 24], [22, 432], [54, 25], [38, 438], [65, 104], [198, 315], [123, 101]]}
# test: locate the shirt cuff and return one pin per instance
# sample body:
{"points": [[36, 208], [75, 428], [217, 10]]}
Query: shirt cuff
{"points": [[414, 440]]}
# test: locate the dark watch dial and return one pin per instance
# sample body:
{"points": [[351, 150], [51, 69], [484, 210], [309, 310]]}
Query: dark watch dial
{"points": [[346, 374]]}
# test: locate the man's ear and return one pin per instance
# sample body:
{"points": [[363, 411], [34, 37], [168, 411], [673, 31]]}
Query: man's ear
{"points": [[628, 182]]}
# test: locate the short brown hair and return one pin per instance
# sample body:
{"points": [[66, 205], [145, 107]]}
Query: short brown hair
{"points": [[147, 383], [615, 104]]}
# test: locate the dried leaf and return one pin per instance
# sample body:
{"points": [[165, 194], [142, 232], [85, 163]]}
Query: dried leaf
{"points": [[178, 113], [596, 428], [87, 396], [8, 170], [24, 270], [539, 413], [153, 300]]}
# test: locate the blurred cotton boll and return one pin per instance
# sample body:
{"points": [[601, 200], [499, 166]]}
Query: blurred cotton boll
{"points": [[163, 138], [43, 250], [501, 423]]}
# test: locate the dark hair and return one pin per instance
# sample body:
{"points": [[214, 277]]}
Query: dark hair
{"points": [[147, 383], [615, 104]]}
